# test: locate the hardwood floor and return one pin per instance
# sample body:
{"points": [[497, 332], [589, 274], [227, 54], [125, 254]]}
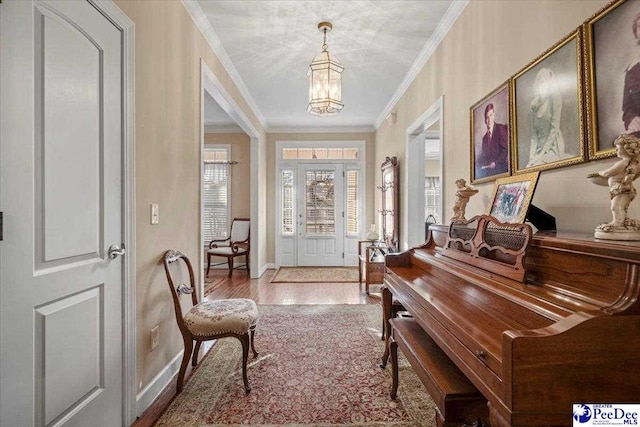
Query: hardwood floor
{"points": [[262, 292]]}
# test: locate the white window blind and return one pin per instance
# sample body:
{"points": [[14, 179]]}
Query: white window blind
{"points": [[432, 196], [353, 204], [286, 210], [320, 202], [216, 186]]}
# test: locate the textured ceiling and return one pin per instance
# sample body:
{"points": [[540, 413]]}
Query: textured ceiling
{"points": [[271, 44]]}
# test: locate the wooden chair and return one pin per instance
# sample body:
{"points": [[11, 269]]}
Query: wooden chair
{"points": [[237, 244], [210, 320]]}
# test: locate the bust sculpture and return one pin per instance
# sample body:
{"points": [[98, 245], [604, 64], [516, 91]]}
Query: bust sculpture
{"points": [[619, 178], [463, 194]]}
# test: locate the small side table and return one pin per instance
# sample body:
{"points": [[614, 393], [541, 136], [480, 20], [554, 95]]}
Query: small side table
{"points": [[371, 263]]}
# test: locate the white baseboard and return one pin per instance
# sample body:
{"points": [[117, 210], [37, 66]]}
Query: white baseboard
{"points": [[265, 268], [148, 395]]}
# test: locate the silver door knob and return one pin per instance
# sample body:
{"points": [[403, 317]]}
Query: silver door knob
{"points": [[116, 251]]}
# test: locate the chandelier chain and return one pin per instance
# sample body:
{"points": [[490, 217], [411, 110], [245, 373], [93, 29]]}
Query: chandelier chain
{"points": [[324, 43]]}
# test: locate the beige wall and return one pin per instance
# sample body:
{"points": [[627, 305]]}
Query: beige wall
{"points": [[272, 138], [490, 42], [240, 173], [168, 50]]}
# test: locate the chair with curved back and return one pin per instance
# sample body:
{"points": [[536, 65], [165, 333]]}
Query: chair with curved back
{"points": [[209, 320], [237, 244]]}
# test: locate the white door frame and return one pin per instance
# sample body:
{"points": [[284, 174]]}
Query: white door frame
{"points": [[210, 83], [129, 341], [350, 244], [413, 207]]}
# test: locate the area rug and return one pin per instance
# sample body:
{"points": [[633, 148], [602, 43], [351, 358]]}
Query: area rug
{"points": [[318, 366], [315, 275]]}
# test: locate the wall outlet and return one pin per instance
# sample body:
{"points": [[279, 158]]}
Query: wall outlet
{"points": [[155, 213], [155, 337]]}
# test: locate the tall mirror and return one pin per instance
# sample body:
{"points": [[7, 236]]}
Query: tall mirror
{"points": [[390, 192]]}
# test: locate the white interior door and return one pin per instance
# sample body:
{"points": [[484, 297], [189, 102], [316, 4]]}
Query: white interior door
{"points": [[61, 193], [320, 212]]}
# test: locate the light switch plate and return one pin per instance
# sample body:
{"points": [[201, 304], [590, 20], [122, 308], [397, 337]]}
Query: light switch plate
{"points": [[155, 213]]}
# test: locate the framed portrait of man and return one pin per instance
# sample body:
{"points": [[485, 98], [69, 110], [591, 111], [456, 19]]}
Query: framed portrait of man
{"points": [[491, 136], [612, 41], [548, 113]]}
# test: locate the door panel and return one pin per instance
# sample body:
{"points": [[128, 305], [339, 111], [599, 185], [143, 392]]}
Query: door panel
{"points": [[320, 215], [61, 193], [69, 334], [68, 144]]}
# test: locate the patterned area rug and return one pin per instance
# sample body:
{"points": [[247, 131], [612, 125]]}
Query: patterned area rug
{"points": [[318, 366], [315, 275]]}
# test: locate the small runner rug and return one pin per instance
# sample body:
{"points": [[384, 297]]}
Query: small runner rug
{"points": [[315, 275], [318, 366]]}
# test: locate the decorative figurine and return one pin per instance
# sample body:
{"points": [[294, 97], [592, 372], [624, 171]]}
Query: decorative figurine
{"points": [[463, 195], [619, 178]]}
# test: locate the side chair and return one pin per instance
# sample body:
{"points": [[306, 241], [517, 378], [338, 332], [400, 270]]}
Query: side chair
{"points": [[237, 244], [210, 320]]}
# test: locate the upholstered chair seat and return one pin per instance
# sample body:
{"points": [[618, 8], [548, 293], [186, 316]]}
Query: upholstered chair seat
{"points": [[227, 251], [235, 316]]}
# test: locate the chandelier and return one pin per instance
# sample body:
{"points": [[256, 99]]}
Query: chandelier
{"points": [[325, 80]]}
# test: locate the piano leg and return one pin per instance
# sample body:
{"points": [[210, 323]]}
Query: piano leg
{"points": [[386, 315], [495, 418], [393, 345]]}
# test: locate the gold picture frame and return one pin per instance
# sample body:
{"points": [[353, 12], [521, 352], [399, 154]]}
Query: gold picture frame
{"points": [[512, 197], [547, 109], [611, 50], [490, 128]]}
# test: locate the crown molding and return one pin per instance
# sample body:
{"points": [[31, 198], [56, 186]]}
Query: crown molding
{"points": [[321, 129], [203, 24], [449, 18], [213, 128]]}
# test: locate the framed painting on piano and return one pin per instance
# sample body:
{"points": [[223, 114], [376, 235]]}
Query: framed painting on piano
{"points": [[512, 197]]}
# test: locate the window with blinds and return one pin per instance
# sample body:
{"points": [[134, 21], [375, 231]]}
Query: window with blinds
{"points": [[320, 153], [286, 209], [216, 189], [320, 202], [432, 196], [353, 204]]}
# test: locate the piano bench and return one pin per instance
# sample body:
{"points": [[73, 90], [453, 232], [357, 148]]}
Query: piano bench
{"points": [[456, 398]]}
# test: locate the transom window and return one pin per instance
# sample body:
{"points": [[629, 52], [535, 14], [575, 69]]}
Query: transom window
{"points": [[322, 153]]}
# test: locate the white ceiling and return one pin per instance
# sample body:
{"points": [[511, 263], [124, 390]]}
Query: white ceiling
{"points": [[270, 43]]}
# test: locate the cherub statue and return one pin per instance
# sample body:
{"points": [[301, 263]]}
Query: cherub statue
{"points": [[619, 178], [463, 194]]}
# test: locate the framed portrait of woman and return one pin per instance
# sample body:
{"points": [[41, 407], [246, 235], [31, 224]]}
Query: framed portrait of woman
{"points": [[612, 38], [548, 117], [491, 136]]}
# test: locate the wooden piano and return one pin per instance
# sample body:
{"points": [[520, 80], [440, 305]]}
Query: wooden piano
{"points": [[535, 322]]}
